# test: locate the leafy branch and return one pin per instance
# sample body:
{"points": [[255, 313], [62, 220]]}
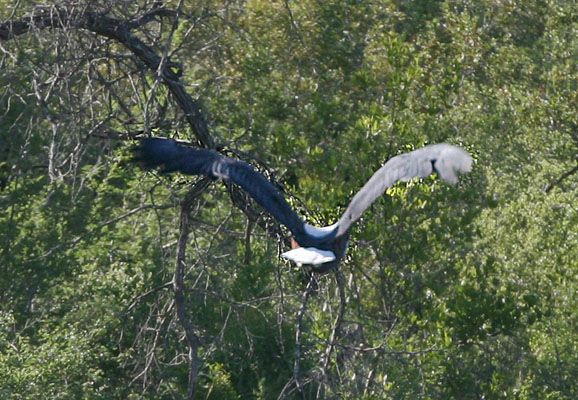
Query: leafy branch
{"points": [[87, 234]]}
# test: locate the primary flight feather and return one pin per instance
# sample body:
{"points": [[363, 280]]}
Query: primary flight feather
{"points": [[322, 248]]}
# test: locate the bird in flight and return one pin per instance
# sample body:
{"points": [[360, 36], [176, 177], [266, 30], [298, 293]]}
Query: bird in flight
{"points": [[321, 248]]}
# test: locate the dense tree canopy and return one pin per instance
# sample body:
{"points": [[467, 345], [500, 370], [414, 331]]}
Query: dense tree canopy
{"points": [[117, 283]]}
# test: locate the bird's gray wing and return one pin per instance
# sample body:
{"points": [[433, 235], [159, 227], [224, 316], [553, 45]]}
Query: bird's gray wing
{"points": [[445, 159]]}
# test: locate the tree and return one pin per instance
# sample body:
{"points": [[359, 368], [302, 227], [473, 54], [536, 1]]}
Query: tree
{"points": [[121, 284]]}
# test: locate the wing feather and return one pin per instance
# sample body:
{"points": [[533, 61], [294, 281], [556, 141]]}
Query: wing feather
{"points": [[446, 159], [260, 189], [170, 156]]}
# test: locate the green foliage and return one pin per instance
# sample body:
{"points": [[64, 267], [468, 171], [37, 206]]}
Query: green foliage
{"points": [[447, 292]]}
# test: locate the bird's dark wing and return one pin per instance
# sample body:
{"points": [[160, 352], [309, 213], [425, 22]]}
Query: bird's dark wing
{"points": [[445, 159], [170, 156]]}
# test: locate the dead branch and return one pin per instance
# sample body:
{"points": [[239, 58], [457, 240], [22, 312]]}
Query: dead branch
{"points": [[120, 31], [179, 288]]}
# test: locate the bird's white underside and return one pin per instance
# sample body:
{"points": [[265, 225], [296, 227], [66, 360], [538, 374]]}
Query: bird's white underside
{"points": [[317, 231], [309, 256]]}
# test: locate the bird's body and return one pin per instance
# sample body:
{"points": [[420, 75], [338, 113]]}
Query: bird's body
{"points": [[322, 248]]}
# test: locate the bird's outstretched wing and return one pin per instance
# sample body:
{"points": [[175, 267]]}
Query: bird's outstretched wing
{"points": [[170, 156], [442, 158]]}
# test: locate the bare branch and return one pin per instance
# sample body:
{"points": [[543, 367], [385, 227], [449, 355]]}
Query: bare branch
{"points": [[76, 240], [151, 15], [120, 31], [248, 232], [146, 294], [337, 331], [10, 29], [296, 379], [193, 340]]}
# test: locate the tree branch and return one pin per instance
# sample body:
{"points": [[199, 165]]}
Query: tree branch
{"points": [[559, 180], [120, 31], [337, 332], [10, 29], [179, 288], [87, 234], [296, 378]]}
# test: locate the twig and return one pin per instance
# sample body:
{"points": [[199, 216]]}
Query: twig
{"points": [[77, 239], [295, 29], [559, 180], [119, 30], [146, 294], [248, 252]]}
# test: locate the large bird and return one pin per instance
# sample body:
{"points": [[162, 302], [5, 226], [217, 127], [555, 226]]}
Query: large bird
{"points": [[322, 248]]}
